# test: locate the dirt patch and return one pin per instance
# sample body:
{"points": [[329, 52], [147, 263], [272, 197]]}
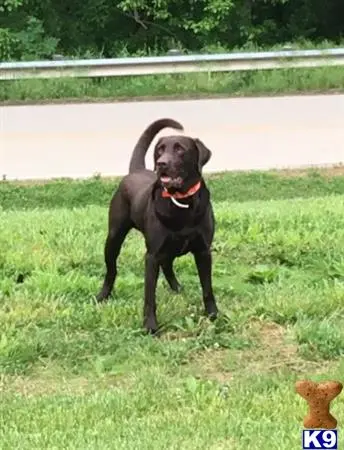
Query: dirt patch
{"points": [[224, 444], [50, 385], [273, 338], [328, 172], [274, 351], [212, 364]]}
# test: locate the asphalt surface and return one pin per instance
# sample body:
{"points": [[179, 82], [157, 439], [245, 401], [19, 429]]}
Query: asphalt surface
{"points": [[80, 140]]}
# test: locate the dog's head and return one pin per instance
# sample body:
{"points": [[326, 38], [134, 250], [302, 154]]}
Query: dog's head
{"points": [[178, 161]]}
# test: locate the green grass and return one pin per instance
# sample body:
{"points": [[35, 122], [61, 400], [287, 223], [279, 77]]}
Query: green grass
{"points": [[230, 186], [74, 375], [322, 79]]}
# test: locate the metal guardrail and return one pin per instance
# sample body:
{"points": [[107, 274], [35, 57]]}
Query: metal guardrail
{"points": [[172, 64]]}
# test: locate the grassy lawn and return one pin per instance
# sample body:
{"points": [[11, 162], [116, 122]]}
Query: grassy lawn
{"points": [[280, 81], [74, 375]]}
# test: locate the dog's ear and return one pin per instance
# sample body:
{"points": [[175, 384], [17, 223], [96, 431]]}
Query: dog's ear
{"points": [[204, 154]]}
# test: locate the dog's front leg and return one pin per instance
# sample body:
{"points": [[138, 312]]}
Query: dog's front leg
{"points": [[151, 278], [204, 267]]}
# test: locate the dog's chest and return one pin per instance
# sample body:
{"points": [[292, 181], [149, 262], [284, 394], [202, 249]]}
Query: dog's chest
{"points": [[179, 244]]}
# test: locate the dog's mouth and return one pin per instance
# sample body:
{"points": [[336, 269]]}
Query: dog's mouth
{"points": [[169, 182]]}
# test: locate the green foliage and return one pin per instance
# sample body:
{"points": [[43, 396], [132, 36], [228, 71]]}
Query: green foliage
{"points": [[10, 5], [8, 44], [33, 42], [22, 35], [104, 27]]}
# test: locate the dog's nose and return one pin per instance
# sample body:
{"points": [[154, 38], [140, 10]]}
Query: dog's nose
{"points": [[163, 161], [161, 165]]}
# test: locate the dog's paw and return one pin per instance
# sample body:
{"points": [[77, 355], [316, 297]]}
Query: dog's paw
{"points": [[102, 297], [20, 278], [177, 288], [151, 327], [152, 332], [212, 314]]}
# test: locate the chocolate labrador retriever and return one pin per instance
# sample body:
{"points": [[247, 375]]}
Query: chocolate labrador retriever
{"points": [[171, 207]]}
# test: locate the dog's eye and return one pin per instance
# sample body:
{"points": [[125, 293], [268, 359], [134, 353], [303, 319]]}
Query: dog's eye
{"points": [[160, 150], [180, 151]]}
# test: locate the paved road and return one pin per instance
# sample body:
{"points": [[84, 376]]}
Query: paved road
{"points": [[80, 140]]}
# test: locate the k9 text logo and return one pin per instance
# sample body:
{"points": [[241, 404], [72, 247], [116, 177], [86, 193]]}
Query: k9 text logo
{"points": [[323, 439]]}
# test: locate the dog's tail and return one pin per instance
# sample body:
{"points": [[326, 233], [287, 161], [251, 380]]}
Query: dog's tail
{"points": [[137, 161]]}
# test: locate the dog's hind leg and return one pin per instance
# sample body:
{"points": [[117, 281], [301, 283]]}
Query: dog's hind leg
{"points": [[167, 268], [119, 226]]}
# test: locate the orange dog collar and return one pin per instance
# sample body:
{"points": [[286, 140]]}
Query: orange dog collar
{"points": [[180, 195]]}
